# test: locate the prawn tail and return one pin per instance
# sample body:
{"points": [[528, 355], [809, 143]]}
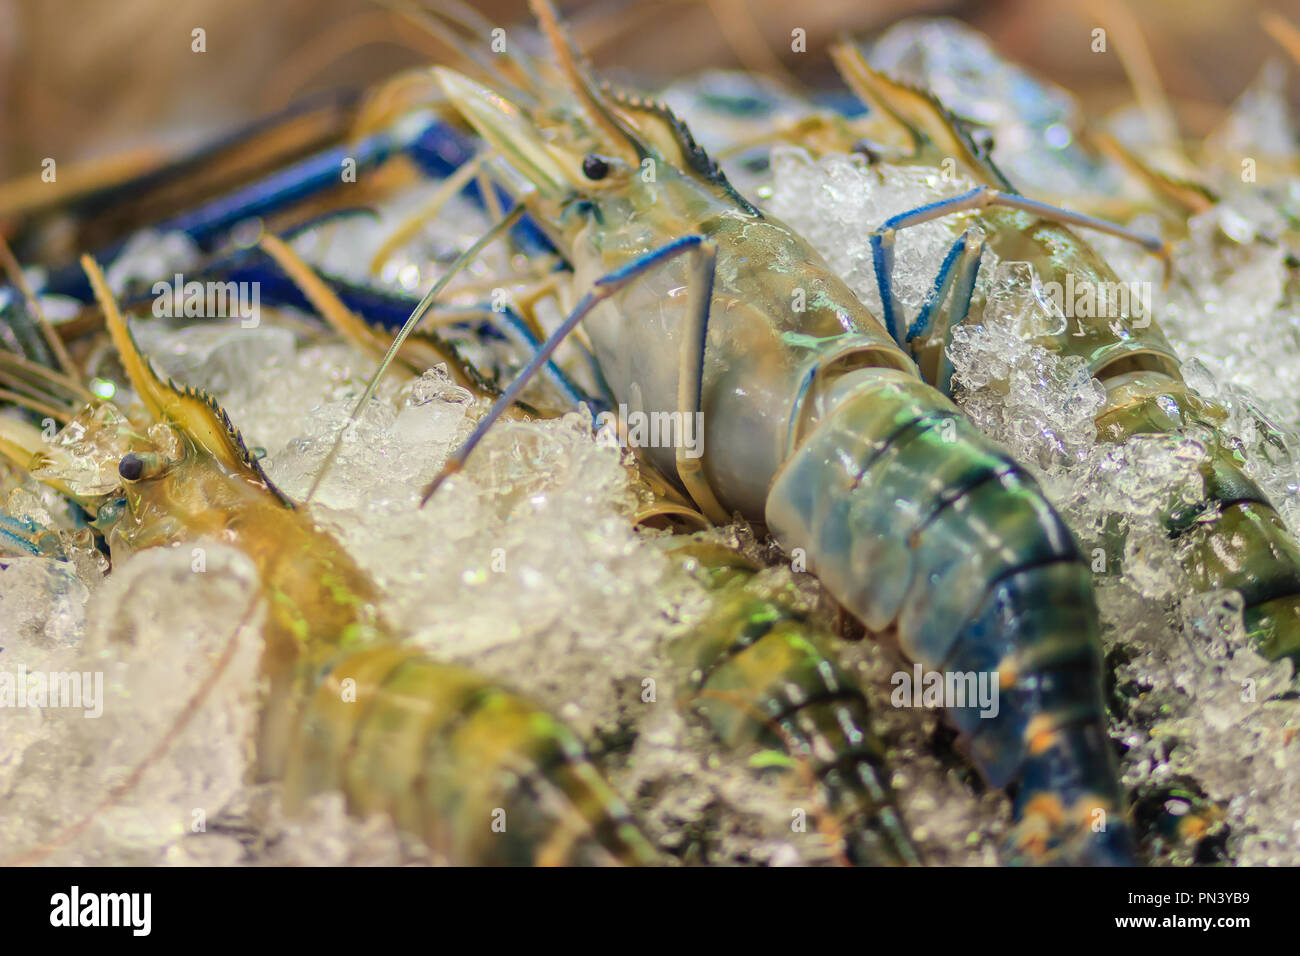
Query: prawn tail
{"points": [[482, 775], [915, 522]]}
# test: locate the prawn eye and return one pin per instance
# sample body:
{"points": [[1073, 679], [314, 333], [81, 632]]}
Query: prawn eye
{"points": [[135, 466], [594, 167], [131, 467]]}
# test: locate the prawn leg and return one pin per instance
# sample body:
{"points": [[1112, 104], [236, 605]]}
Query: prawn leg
{"points": [[603, 288], [22, 537], [957, 277]]}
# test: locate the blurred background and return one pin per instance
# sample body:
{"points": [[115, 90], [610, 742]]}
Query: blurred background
{"points": [[83, 78]]}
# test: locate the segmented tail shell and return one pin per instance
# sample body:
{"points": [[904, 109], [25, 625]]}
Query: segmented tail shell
{"points": [[482, 775], [765, 675], [919, 525]]}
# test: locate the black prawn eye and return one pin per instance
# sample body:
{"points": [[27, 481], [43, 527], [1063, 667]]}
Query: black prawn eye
{"points": [[137, 466], [594, 167], [131, 467]]}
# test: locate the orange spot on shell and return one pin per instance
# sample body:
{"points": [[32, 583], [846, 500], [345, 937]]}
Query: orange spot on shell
{"points": [[1041, 734], [1048, 807]]}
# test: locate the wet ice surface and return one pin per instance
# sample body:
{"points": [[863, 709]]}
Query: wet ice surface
{"points": [[149, 647], [1200, 702], [1234, 314], [835, 203]]}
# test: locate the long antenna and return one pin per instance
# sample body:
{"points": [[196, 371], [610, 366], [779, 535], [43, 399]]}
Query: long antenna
{"points": [[746, 40], [615, 132], [15, 271], [510, 218]]}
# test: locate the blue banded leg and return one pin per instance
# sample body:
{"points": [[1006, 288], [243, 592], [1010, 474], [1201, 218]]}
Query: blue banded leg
{"points": [[437, 148], [16, 537], [957, 276], [519, 323], [512, 325], [507, 324], [602, 289], [984, 196], [22, 537], [882, 260]]}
